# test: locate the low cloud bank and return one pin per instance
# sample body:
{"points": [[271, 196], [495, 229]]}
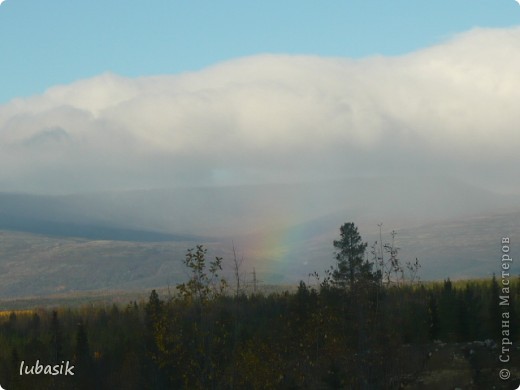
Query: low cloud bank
{"points": [[450, 109]]}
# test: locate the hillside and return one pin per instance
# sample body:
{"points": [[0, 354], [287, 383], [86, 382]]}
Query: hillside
{"points": [[35, 264], [138, 239]]}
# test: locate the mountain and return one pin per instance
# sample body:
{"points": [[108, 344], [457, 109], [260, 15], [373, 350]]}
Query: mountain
{"points": [[137, 239], [228, 211]]}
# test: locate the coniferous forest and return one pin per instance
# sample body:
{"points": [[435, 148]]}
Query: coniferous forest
{"points": [[366, 323]]}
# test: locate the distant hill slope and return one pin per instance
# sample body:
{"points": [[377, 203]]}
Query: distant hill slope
{"points": [[33, 264], [39, 265], [228, 211], [463, 247], [137, 239]]}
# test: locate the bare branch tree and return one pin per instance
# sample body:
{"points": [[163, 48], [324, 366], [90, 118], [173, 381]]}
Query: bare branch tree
{"points": [[237, 264]]}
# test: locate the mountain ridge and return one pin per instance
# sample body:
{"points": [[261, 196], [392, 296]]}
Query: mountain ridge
{"points": [[138, 239]]}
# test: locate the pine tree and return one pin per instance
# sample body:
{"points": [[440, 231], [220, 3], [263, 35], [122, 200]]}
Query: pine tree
{"points": [[351, 265], [82, 345], [56, 342], [433, 320], [495, 314], [354, 274]]}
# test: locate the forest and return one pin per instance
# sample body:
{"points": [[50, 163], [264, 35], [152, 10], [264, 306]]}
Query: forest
{"points": [[366, 323]]}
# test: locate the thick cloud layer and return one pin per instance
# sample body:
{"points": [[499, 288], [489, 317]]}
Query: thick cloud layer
{"points": [[450, 109]]}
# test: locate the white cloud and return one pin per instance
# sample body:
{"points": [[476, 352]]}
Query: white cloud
{"points": [[449, 109]]}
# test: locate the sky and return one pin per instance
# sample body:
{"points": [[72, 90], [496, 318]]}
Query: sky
{"points": [[99, 95], [45, 43]]}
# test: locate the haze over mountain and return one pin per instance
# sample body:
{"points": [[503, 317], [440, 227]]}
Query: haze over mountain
{"points": [[137, 239], [237, 210]]}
